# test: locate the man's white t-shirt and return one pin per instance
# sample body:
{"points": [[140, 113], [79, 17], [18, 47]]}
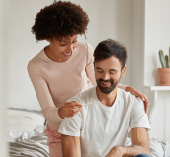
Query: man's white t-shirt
{"points": [[101, 127]]}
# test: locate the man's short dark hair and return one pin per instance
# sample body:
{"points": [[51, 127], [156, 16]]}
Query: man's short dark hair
{"points": [[109, 48], [60, 19]]}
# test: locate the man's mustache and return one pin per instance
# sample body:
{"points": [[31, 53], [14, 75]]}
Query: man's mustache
{"points": [[110, 80]]}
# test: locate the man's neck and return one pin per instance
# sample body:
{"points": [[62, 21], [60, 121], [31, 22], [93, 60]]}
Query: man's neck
{"points": [[107, 99]]}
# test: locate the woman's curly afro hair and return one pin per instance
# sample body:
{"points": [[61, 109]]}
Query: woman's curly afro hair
{"points": [[60, 19]]}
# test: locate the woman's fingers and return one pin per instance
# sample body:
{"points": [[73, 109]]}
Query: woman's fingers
{"points": [[145, 100], [72, 108]]}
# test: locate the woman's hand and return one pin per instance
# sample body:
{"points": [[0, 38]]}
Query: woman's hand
{"points": [[140, 95], [69, 109]]}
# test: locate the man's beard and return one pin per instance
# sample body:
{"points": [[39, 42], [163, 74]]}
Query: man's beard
{"points": [[107, 90]]}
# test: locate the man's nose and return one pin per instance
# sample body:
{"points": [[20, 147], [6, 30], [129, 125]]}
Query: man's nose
{"points": [[106, 76]]}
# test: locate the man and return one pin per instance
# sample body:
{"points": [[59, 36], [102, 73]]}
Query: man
{"points": [[108, 113]]}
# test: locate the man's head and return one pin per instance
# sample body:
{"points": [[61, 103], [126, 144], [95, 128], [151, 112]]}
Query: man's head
{"points": [[109, 60]]}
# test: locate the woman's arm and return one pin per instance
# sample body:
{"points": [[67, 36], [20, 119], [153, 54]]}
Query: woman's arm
{"points": [[90, 65], [49, 110]]}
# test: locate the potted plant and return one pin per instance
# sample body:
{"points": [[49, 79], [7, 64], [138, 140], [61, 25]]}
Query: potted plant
{"points": [[164, 72]]}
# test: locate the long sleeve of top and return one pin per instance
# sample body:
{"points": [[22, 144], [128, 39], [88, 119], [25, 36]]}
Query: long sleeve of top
{"points": [[55, 82]]}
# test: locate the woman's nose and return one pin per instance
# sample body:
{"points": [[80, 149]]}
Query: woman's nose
{"points": [[70, 47]]}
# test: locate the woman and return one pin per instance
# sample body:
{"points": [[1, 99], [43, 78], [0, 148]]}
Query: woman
{"points": [[64, 67]]}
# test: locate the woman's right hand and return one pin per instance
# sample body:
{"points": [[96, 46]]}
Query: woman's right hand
{"points": [[69, 109]]}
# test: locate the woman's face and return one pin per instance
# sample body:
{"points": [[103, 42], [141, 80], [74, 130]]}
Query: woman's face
{"points": [[62, 50]]}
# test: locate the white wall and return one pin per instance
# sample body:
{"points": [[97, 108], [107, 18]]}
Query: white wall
{"points": [[161, 114], [151, 42], [163, 26], [150, 32], [157, 36], [21, 45], [137, 57], [3, 126]]}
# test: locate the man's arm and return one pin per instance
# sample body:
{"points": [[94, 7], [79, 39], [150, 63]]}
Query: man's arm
{"points": [[70, 146], [140, 144]]}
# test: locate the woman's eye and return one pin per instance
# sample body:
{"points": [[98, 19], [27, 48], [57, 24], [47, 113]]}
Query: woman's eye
{"points": [[75, 41]]}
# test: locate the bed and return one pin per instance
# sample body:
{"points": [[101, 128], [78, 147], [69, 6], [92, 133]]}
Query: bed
{"points": [[26, 136]]}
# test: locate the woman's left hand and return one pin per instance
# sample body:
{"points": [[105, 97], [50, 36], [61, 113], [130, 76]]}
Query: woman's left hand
{"points": [[140, 95]]}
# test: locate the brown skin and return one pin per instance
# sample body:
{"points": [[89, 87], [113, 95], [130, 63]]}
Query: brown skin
{"points": [[61, 51]]}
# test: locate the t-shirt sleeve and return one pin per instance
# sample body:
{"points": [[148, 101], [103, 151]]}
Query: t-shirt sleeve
{"points": [[71, 126], [138, 116], [90, 65], [49, 110]]}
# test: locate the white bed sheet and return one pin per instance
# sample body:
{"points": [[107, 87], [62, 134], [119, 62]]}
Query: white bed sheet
{"points": [[23, 120]]}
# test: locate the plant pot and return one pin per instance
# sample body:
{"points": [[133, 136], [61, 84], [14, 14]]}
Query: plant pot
{"points": [[164, 76]]}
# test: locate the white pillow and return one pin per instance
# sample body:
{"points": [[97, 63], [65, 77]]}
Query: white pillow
{"points": [[19, 120]]}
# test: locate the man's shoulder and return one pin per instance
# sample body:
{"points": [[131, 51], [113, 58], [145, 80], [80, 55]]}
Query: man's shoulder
{"points": [[85, 97], [124, 95], [128, 97]]}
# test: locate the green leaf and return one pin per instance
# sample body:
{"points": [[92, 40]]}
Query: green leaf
{"points": [[162, 59], [167, 61]]}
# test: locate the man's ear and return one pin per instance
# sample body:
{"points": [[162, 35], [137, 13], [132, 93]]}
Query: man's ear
{"points": [[124, 71]]}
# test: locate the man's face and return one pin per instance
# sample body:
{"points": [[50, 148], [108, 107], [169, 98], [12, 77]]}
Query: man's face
{"points": [[108, 74]]}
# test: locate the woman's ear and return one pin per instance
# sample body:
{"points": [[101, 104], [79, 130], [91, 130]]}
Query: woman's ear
{"points": [[48, 40], [124, 71]]}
